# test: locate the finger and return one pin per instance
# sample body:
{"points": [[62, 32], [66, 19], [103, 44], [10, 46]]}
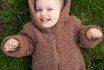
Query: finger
{"points": [[14, 42], [6, 48]]}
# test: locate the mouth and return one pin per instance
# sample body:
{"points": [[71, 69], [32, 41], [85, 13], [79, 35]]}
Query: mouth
{"points": [[44, 20]]}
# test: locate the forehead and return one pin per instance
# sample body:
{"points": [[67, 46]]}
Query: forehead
{"points": [[46, 2]]}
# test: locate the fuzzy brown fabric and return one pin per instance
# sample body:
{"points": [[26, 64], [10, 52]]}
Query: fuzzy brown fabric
{"points": [[56, 48]]}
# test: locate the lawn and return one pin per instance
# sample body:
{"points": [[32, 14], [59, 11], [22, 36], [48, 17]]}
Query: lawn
{"points": [[15, 13]]}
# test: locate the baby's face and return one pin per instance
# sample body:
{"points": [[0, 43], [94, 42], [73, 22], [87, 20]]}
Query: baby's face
{"points": [[48, 12]]}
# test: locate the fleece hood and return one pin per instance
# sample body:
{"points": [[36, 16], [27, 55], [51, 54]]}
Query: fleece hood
{"points": [[62, 18]]}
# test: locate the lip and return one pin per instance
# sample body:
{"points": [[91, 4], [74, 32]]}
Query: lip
{"points": [[45, 19]]}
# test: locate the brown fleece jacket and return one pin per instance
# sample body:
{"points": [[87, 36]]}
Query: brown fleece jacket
{"points": [[56, 48]]}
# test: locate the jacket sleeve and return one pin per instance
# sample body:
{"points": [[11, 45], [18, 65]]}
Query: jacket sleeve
{"points": [[81, 37], [26, 45]]}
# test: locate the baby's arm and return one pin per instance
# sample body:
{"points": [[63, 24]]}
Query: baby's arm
{"points": [[87, 36], [18, 45], [90, 36]]}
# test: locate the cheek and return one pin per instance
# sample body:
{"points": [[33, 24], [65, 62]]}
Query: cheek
{"points": [[55, 16], [37, 14]]}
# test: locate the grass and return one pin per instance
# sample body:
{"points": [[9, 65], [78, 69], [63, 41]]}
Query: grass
{"points": [[14, 14], [91, 12]]}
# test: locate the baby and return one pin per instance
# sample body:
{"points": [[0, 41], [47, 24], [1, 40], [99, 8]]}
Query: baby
{"points": [[53, 37]]}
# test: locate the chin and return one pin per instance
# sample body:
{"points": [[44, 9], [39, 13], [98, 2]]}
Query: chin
{"points": [[47, 26]]}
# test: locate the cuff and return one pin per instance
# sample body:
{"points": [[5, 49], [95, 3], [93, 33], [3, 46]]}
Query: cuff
{"points": [[86, 42], [22, 46]]}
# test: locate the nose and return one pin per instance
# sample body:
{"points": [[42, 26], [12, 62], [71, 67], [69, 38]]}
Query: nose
{"points": [[43, 13]]}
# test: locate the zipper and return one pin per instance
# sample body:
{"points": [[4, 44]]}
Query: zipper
{"points": [[55, 46]]}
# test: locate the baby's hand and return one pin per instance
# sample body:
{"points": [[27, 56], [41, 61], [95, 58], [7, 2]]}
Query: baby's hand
{"points": [[94, 33], [11, 45]]}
